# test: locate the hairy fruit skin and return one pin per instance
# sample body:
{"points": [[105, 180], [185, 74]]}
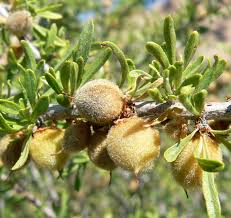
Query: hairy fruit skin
{"points": [[19, 23], [44, 149], [97, 152], [186, 169], [76, 137], [132, 146], [10, 149], [99, 101]]}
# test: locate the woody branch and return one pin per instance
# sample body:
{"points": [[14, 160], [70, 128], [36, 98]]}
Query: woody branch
{"points": [[213, 110]]}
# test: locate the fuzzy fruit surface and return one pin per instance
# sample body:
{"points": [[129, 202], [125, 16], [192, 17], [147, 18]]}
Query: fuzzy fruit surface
{"points": [[186, 169], [44, 147], [97, 152], [99, 101], [10, 149], [132, 146], [76, 137], [19, 23]]}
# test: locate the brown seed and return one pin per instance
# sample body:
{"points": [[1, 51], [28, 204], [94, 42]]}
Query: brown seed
{"points": [[132, 146], [97, 152], [99, 101], [186, 169], [76, 137], [43, 147]]}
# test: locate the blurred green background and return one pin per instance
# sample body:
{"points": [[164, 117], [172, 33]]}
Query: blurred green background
{"points": [[85, 191]]}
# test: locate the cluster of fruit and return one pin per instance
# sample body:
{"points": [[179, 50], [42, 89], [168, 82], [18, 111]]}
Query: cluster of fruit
{"points": [[111, 140]]}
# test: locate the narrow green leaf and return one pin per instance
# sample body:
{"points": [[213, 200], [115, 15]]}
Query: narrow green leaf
{"points": [[192, 80], [179, 69], [211, 195], [210, 165], [73, 77], [29, 84], [5, 126], [185, 99], [172, 153], [224, 141], [158, 53], [121, 58], [50, 15], [9, 107], [131, 64], [67, 55], [51, 36], [191, 47], [199, 100], [156, 95], [40, 108], [170, 39], [80, 63], [65, 76], [85, 41], [93, 67], [194, 67], [24, 154], [212, 73], [29, 55], [53, 83], [63, 100]]}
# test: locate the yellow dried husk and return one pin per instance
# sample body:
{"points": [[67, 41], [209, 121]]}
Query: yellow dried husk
{"points": [[97, 152], [186, 169], [132, 146], [76, 137], [19, 23], [99, 101], [45, 148]]}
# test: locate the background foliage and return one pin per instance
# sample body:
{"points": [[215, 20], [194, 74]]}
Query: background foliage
{"points": [[84, 190]]}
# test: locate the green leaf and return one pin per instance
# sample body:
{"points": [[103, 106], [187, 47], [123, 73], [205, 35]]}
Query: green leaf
{"points": [[67, 55], [211, 195], [85, 41], [158, 53], [40, 108], [156, 95], [29, 84], [53, 83], [9, 107], [73, 76], [65, 76], [210, 165], [191, 47], [194, 67], [69, 76], [121, 58], [81, 159], [212, 73], [63, 100], [185, 99], [192, 80], [80, 63], [93, 67], [224, 141], [24, 154], [29, 55], [6, 127], [50, 15], [51, 36], [199, 100], [131, 64], [172, 153], [170, 39]]}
